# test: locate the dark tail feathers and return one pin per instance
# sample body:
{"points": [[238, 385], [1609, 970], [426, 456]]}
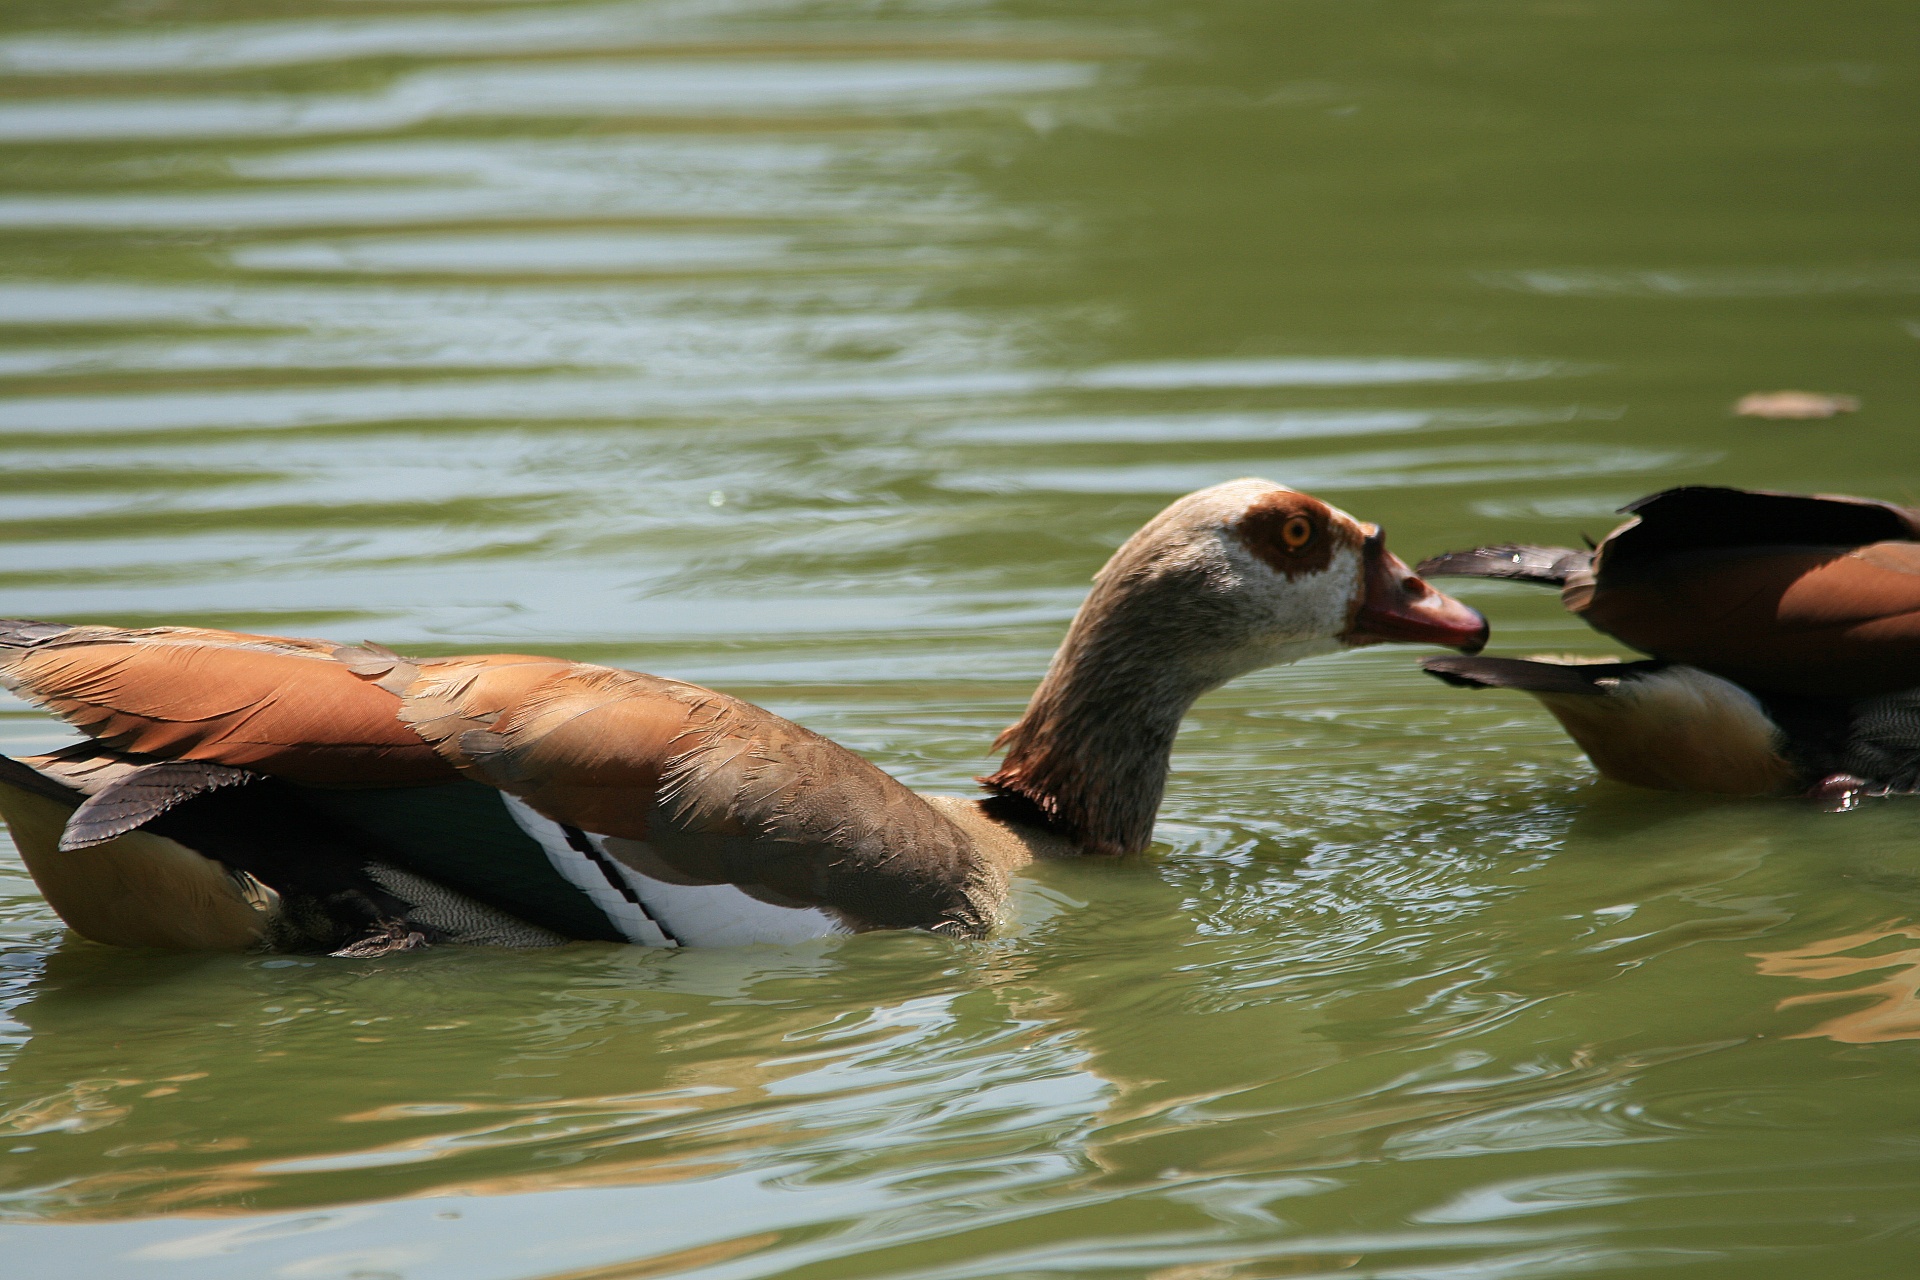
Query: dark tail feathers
{"points": [[1532, 675], [1548, 566], [24, 777], [24, 633], [143, 795]]}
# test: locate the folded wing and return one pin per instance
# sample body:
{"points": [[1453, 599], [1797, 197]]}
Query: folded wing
{"points": [[304, 710], [692, 787], [1802, 594], [1832, 621], [680, 785], [1784, 593]]}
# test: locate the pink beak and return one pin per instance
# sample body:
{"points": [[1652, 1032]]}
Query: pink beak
{"points": [[1399, 607]]}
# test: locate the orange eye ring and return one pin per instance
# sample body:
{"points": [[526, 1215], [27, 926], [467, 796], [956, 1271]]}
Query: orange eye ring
{"points": [[1296, 533]]}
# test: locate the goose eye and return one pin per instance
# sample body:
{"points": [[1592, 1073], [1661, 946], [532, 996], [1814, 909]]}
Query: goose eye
{"points": [[1296, 532]]}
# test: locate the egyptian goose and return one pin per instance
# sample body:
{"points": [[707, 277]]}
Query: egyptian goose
{"points": [[253, 792], [1785, 634]]}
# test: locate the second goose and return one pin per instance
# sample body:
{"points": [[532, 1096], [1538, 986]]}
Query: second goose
{"points": [[1784, 638]]}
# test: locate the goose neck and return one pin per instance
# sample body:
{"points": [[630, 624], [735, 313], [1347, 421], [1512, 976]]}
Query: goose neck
{"points": [[1088, 761]]}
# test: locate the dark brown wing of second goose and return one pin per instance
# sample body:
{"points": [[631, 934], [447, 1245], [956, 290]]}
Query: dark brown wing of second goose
{"points": [[1794, 594]]}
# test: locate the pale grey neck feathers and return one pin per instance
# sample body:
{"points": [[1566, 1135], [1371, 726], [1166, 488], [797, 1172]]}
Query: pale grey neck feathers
{"points": [[1092, 750], [1177, 611]]}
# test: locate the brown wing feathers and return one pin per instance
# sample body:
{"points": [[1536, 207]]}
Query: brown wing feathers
{"points": [[1785, 593], [285, 707], [1829, 622], [699, 786], [581, 744], [816, 822]]}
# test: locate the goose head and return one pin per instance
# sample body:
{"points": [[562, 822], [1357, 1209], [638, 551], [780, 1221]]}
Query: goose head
{"points": [[1244, 575]]}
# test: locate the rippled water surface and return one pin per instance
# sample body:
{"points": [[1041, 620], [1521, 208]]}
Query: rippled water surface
{"points": [[820, 352]]}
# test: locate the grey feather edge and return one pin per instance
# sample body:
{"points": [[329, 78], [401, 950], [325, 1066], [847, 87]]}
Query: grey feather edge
{"points": [[1548, 566]]}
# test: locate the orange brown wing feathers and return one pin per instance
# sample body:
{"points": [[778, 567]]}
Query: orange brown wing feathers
{"points": [[1830, 622], [696, 787], [807, 818], [1785, 593], [285, 707], [581, 744], [692, 786]]}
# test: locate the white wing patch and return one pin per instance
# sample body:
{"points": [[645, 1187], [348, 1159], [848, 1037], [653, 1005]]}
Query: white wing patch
{"points": [[586, 874], [655, 913], [720, 915]]}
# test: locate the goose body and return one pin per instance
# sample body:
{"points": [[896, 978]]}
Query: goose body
{"points": [[242, 791], [1783, 634]]}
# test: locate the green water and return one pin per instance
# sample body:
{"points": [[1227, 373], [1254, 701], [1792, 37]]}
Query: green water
{"points": [[820, 352]]}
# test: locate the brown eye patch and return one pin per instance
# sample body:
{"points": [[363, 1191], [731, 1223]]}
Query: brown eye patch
{"points": [[1291, 532]]}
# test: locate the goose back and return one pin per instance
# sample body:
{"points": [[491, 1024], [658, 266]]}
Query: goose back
{"points": [[1801, 595], [1782, 593], [593, 801], [1787, 624]]}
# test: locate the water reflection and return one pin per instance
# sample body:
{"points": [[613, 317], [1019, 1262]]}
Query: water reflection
{"points": [[1895, 278], [470, 31], [820, 351], [1892, 1011], [635, 1075], [686, 88]]}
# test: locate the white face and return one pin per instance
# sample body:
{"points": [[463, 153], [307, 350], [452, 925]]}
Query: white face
{"points": [[1250, 573], [1307, 614], [1298, 617], [1242, 575]]}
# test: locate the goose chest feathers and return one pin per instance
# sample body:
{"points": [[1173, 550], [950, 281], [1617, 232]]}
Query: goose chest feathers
{"points": [[239, 791], [1784, 634]]}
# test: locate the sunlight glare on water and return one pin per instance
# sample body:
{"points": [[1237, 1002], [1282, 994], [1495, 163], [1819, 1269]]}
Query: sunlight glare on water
{"points": [[820, 350]]}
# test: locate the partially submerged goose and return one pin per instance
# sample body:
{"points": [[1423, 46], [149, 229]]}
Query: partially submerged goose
{"points": [[240, 791], [1784, 631]]}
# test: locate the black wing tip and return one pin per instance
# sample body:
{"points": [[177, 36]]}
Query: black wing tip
{"points": [[1704, 517], [1692, 491], [1735, 492], [1728, 501], [1533, 675], [1548, 566], [143, 795], [24, 777], [24, 633]]}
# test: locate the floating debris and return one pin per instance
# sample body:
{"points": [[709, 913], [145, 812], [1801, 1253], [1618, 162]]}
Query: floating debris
{"points": [[1795, 404]]}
